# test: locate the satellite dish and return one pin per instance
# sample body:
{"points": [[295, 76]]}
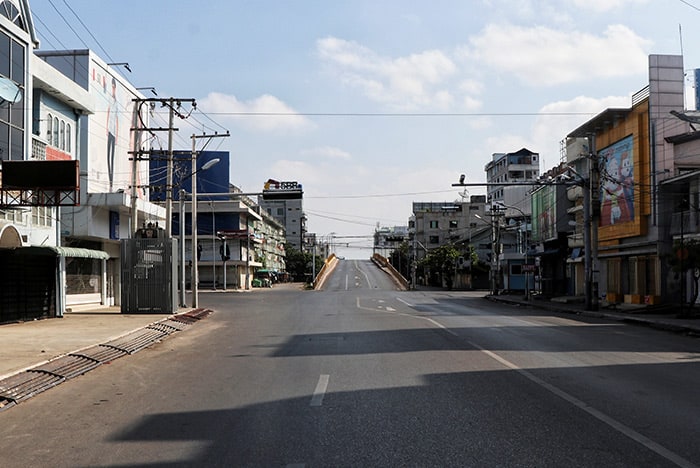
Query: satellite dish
{"points": [[9, 91]]}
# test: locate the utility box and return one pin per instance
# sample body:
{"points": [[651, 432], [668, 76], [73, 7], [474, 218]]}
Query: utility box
{"points": [[149, 276]]}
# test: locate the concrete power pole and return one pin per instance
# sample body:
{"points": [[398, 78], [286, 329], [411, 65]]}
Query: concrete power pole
{"points": [[173, 106], [591, 211]]}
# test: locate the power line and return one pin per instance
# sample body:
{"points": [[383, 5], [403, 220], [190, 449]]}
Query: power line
{"points": [[88, 31], [690, 5], [408, 114], [337, 197]]}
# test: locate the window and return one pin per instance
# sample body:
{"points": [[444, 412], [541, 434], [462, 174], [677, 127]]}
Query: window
{"points": [[69, 138], [55, 132], [62, 136], [453, 224], [434, 239], [12, 114], [49, 127], [10, 11], [433, 224]]}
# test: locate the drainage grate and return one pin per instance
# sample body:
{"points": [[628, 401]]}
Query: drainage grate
{"points": [[101, 353], [199, 313], [6, 404], [27, 384], [184, 318], [163, 327], [67, 366], [179, 326], [136, 341]]}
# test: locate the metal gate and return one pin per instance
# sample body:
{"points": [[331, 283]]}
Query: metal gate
{"points": [[149, 276], [27, 284]]}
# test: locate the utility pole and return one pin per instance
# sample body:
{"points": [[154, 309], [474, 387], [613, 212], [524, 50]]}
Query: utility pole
{"points": [[134, 170], [169, 176], [591, 210], [174, 105]]}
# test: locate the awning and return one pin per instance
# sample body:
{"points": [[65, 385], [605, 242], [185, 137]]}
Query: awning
{"points": [[71, 252], [546, 252]]}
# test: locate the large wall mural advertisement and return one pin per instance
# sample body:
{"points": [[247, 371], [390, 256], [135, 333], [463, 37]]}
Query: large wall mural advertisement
{"points": [[544, 214], [617, 183], [111, 138]]}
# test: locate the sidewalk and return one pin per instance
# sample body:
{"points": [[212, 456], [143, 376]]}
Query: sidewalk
{"points": [[28, 344], [24, 345], [638, 314]]}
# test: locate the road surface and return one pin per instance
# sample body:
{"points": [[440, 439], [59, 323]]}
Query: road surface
{"points": [[361, 374]]}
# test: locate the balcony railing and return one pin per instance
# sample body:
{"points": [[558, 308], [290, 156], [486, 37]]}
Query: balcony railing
{"points": [[685, 223]]}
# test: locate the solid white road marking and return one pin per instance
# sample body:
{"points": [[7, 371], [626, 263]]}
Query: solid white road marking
{"points": [[320, 392], [401, 300], [599, 415], [615, 424]]}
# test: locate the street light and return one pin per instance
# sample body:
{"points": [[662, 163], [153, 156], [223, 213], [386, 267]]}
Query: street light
{"points": [[193, 276], [183, 194], [525, 242], [494, 252]]}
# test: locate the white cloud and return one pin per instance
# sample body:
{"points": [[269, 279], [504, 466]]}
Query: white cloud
{"points": [[472, 104], [265, 113], [543, 56], [601, 6], [414, 81], [560, 118], [327, 152]]}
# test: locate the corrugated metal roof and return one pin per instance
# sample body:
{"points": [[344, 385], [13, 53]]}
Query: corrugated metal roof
{"points": [[74, 252]]}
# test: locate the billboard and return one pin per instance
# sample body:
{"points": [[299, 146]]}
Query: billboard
{"points": [[544, 214], [210, 180], [617, 183], [288, 190], [110, 129]]}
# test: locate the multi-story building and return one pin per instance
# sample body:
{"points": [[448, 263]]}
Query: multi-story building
{"points": [[552, 238], [387, 239], [510, 178], [285, 202], [229, 243], [63, 111], [103, 141], [270, 252], [630, 146], [439, 223], [522, 166]]}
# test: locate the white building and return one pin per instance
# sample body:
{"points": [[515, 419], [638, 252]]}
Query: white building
{"points": [[104, 145]]}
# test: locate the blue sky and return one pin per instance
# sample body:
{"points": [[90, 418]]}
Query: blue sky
{"points": [[376, 104]]}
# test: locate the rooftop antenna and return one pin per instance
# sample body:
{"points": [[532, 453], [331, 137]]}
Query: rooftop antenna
{"points": [[680, 36]]}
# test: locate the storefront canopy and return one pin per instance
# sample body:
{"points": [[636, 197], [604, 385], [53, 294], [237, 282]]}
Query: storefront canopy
{"points": [[71, 252]]}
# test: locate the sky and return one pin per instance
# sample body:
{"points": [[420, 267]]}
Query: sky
{"points": [[372, 105]]}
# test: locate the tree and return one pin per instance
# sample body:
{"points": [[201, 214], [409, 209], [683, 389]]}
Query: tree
{"points": [[441, 262], [400, 259], [299, 263]]}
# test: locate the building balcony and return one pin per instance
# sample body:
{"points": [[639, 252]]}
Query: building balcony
{"points": [[687, 222]]}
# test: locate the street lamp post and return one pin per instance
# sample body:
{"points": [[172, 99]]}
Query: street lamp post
{"points": [[525, 250], [183, 195]]}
